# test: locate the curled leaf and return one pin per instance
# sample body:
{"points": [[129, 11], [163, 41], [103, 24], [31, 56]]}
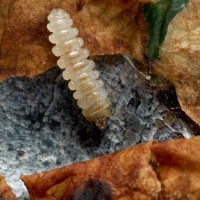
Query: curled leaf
{"points": [[5, 191], [166, 170]]}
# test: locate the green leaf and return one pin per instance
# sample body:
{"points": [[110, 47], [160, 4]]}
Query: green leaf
{"points": [[158, 17]]}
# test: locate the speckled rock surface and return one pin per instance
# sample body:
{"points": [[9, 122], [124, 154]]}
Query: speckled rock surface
{"points": [[42, 128]]}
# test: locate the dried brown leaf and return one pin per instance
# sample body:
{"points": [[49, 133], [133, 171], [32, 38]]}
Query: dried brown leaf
{"points": [[5, 191], [180, 61], [178, 168], [105, 26], [166, 170], [123, 175]]}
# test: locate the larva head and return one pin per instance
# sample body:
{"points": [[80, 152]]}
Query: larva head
{"points": [[101, 123], [57, 14]]}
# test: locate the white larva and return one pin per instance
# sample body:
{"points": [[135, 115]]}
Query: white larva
{"points": [[91, 97]]}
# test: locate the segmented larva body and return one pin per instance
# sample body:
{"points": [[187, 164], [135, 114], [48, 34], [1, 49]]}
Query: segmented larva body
{"points": [[91, 97]]}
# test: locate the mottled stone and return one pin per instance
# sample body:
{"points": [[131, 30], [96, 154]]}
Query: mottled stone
{"points": [[42, 127]]}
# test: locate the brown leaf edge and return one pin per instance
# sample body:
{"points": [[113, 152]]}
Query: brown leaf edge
{"points": [[5, 190], [165, 170]]}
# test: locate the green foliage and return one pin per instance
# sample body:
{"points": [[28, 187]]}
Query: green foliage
{"points": [[158, 17]]}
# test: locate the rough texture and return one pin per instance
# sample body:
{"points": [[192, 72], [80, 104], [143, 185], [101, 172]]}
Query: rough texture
{"points": [[166, 170], [25, 50], [127, 177], [42, 127], [5, 191], [178, 168], [180, 61], [108, 27]]}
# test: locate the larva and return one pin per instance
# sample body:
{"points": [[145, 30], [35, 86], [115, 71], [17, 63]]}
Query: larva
{"points": [[91, 97]]}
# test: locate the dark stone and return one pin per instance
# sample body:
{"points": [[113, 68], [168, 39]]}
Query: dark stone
{"points": [[20, 153]]}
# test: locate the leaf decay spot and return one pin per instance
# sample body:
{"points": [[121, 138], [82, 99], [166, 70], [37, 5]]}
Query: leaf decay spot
{"points": [[79, 5], [93, 190]]}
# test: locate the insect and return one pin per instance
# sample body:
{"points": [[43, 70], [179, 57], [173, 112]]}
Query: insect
{"points": [[91, 97]]}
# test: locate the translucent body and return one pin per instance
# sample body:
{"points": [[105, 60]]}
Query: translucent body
{"points": [[91, 97]]}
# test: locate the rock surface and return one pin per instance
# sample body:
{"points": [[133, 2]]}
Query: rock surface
{"points": [[42, 128]]}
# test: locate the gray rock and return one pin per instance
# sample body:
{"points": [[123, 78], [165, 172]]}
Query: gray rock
{"points": [[42, 128]]}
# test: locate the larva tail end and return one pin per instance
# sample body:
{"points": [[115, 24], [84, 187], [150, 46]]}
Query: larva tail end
{"points": [[101, 123]]}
